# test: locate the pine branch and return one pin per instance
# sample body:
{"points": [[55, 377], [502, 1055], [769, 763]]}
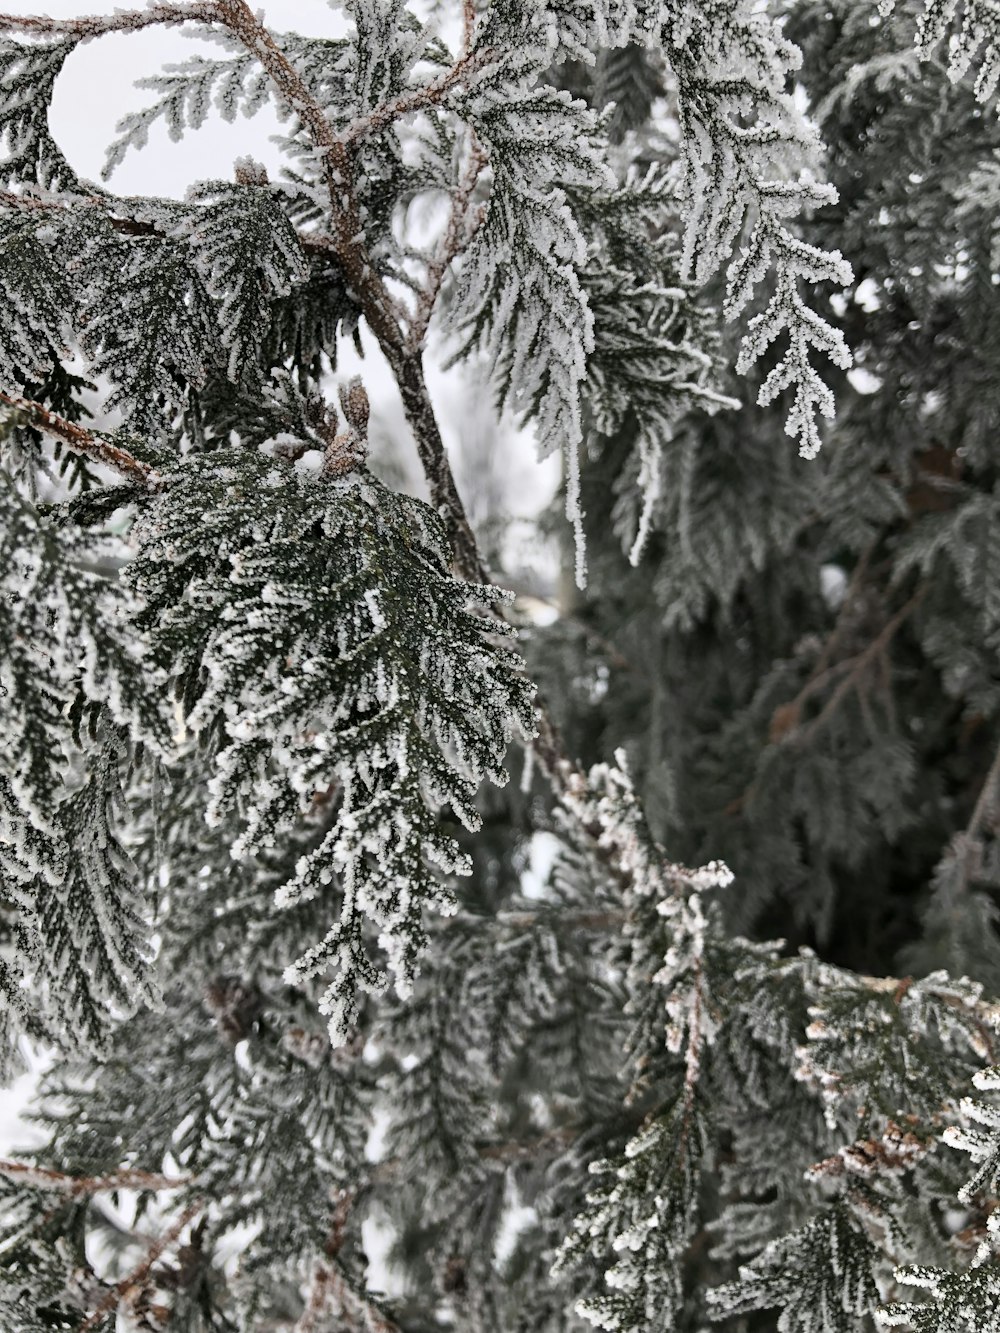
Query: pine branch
{"points": [[316, 242], [861, 662], [986, 1013], [82, 441], [348, 232]]}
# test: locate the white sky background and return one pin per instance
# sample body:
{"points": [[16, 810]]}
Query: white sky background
{"points": [[95, 89]]}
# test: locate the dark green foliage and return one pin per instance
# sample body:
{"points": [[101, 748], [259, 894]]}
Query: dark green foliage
{"points": [[318, 644], [28, 75], [796, 1275]]}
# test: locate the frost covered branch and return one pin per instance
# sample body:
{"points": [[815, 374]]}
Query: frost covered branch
{"points": [[748, 155], [378, 306], [347, 229], [80, 440], [135, 1283], [43, 1178], [459, 233], [98, 25], [431, 94], [971, 29]]}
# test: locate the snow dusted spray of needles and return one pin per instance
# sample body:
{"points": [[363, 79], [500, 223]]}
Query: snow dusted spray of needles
{"points": [[265, 898]]}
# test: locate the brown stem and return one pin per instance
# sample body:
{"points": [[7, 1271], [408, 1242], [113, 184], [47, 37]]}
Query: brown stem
{"points": [[460, 231], [40, 1177], [96, 25], [417, 99], [987, 797], [409, 373], [81, 441], [861, 662], [135, 1282], [468, 24]]}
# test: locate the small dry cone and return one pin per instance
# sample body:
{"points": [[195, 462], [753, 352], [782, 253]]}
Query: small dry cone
{"points": [[347, 450], [249, 172]]}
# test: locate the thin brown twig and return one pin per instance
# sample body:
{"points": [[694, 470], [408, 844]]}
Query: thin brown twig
{"points": [[468, 25], [785, 719], [329, 1293], [82, 441], [860, 663], [136, 1281], [418, 99], [40, 1177], [98, 25], [459, 233]]}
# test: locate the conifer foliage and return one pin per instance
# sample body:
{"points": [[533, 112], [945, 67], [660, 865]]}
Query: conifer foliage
{"points": [[341, 1030]]}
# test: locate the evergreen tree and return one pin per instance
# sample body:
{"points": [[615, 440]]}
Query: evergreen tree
{"points": [[266, 899]]}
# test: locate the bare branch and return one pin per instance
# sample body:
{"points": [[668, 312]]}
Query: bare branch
{"points": [[135, 1283], [40, 1177], [460, 231], [82, 441], [860, 663], [468, 25], [418, 99], [97, 25]]}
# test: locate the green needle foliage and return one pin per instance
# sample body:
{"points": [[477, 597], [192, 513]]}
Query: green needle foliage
{"points": [[332, 1026]]}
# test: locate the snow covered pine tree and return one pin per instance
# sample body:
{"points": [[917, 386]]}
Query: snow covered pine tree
{"points": [[249, 693]]}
